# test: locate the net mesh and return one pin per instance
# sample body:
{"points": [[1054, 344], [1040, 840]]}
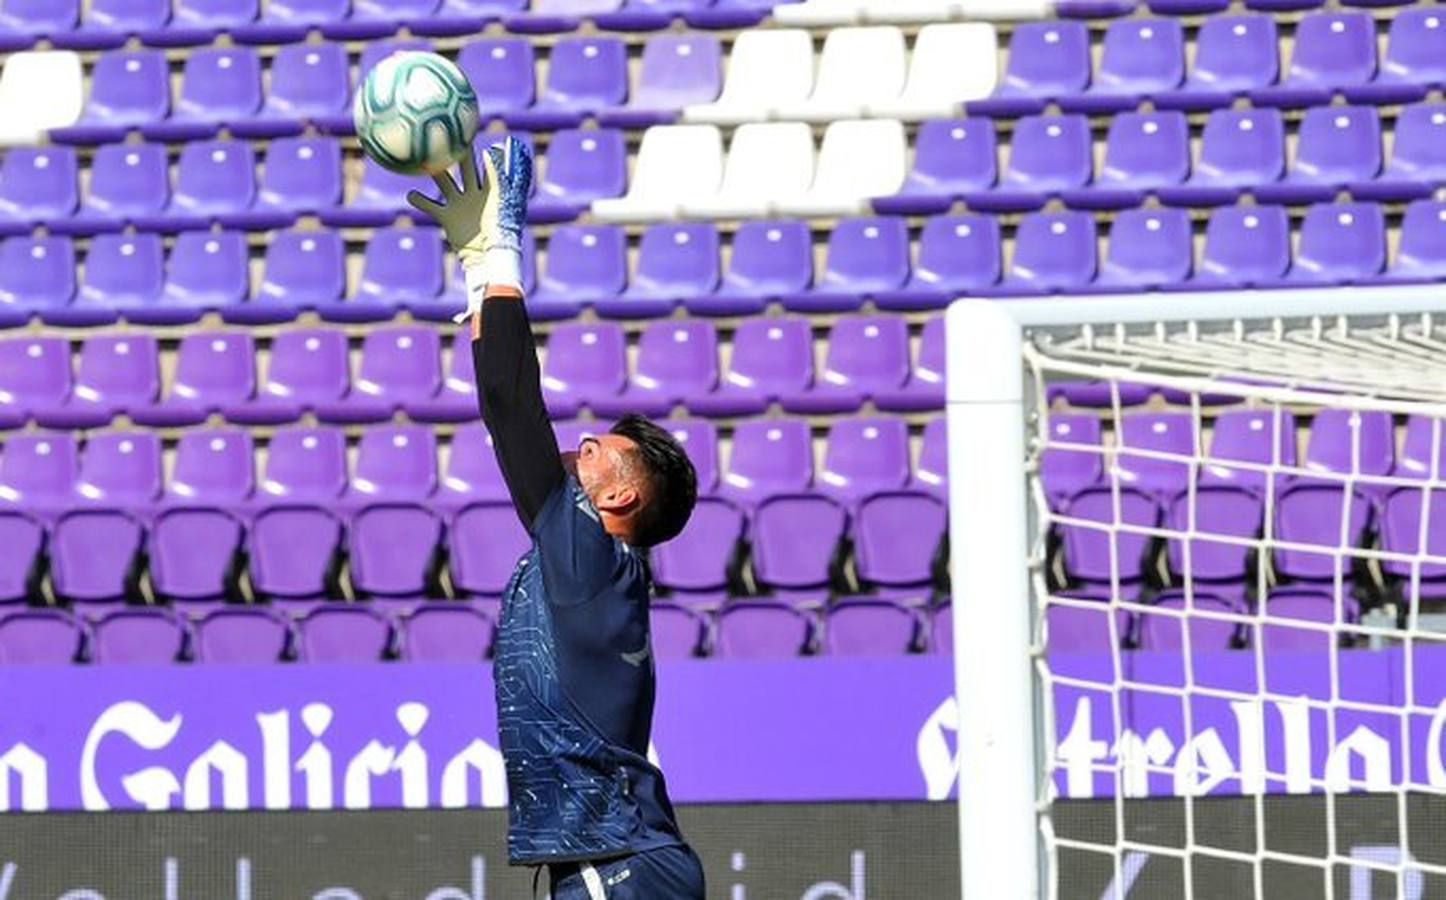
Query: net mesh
{"points": [[1238, 569]]}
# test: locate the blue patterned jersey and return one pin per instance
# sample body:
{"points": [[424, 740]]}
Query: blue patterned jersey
{"points": [[575, 691]]}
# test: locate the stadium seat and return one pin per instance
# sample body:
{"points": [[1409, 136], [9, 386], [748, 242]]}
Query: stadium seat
{"points": [[797, 545], [1417, 458], [446, 632], [865, 256], [925, 388], [676, 166], [1065, 471], [676, 71], [36, 274], [43, 636], [1336, 146], [218, 86], [956, 255], [302, 270], [37, 471], [674, 261], [1332, 50], [582, 166], [1340, 243], [128, 89], [294, 552], [843, 89], [869, 628], [1045, 62], [395, 551], [1245, 246], [1053, 253], [553, 16], [399, 364], [1201, 633], [764, 161], [34, 375], [951, 64], [695, 567], [585, 362], [456, 401], [1148, 249], [485, 541], [194, 554], [289, 21], [303, 465], [463, 17], [699, 439], [771, 357], [379, 199], [372, 19], [213, 467], [1421, 247], [37, 185], [864, 455], [677, 632], [1091, 627], [1088, 550], [770, 457], [1323, 514], [139, 636], [1234, 55], [1155, 435], [897, 536], [350, 633], [122, 272], [308, 371], [1412, 63], [769, 260], [952, 157], [394, 464], [129, 184], [676, 359], [1403, 534], [1047, 155], [931, 471], [585, 76], [767, 68], [1306, 605], [22, 22], [585, 264], [733, 13], [1418, 156], [1219, 510], [759, 629], [242, 635], [207, 271], [195, 22], [1240, 149], [1143, 153], [1344, 442], [402, 268], [1139, 57], [507, 67], [1244, 436], [309, 84], [120, 470], [105, 24], [213, 371], [866, 355], [840, 186], [21, 571], [95, 555], [302, 176]]}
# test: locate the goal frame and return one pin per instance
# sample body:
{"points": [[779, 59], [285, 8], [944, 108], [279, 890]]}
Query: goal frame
{"points": [[1002, 732]]}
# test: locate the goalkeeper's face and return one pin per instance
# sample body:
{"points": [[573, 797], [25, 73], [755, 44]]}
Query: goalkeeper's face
{"points": [[605, 466]]}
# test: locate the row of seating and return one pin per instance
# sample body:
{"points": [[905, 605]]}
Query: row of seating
{"points": [[1103, 9], [849, 12], [401, 370], [1332, 53], [101, 24], [448, 632]]}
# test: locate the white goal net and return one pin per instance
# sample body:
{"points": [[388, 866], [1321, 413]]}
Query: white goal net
{"points": [[1201, 595]]}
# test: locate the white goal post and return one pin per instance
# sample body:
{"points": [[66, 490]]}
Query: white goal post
{"points": [[1261, 760]]}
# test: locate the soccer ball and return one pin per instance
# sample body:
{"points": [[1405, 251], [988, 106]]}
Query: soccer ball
{"points": [[416, 113]]}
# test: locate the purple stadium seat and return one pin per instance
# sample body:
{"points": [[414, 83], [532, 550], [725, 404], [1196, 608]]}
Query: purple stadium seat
{"points": [[40, 636], [34, 375], [1171, 434], [95, 555], [796, 542], [196, 22], [941, 630], [372, 19], [380, 199], [36, 274], [1144, 151], [1308, 605], [349, 633], [1347, 442], [37, 471], [677, 360], [1244, 435], [308, 370], [866, 256], [242, 635], [1046, 61], [1047, 156], [1418, 156], [585, 75], [219, 86], [1319, 514], [1140, 57], [1085, 629], [294, 552], [758, 629], [956, 255], [486, 540], [864, 455], [1245, 246], [303, 465], [1229, 511], [1240, 149], [37, 184], [869, 628], [120, 470], [732, 13], [207, 271], [1100, 393], [1332, 50], [20, 569], [952, 157], [1053, 252], [896, 538], [193, 554], [288, 21], [677, 71], [395, 550], [213, 371], [1233, 55], [866, 355], [1337, 146], [1413, 62], [695, 566], [1340, 243], [770, 457], [677, 632], [1421, 250], [925, 388], [699, 439], [213, 179], [107, 23], [647, 15], [1087, 548], [464, 17], [402, 268], [1203, 633], [504, 71], [586, 362], [398, 365], [582, 166], [770, 260], [22, 21], [128, 183], [1401, 533], [675, 261], [585, 264], [1423, 451], [394, 464], [128, 89], [1065, 471], [446, 632], [772, 357], [310, 83], [213, 467], [551, 16], [303, 270], [457, 399]]}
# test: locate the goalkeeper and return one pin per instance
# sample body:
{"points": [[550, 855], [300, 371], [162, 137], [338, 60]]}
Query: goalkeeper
{"points": [[573, 661]]}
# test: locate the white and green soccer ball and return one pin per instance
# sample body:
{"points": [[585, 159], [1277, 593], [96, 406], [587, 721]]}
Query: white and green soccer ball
{"points": [[416, 113]]}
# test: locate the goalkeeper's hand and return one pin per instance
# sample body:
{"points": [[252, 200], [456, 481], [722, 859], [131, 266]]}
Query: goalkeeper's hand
{"points": [[483, 218]]}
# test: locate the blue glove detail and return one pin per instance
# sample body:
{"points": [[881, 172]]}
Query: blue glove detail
{"points": [[511, 167]]}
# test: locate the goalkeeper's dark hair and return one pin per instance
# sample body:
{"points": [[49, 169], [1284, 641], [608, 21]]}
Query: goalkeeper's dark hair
{"points": [[672, 483]]}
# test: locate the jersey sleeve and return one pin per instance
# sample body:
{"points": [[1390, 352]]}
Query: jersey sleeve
{"points": [[580, 560]]}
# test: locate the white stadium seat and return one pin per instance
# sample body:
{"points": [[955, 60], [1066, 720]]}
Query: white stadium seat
{"points": [[859, 66], [676, 164], [812, 13], [910, 11], [765, 161], [860, 159], [38, 92], [952, 64], [766, 68], [999, 10]]}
